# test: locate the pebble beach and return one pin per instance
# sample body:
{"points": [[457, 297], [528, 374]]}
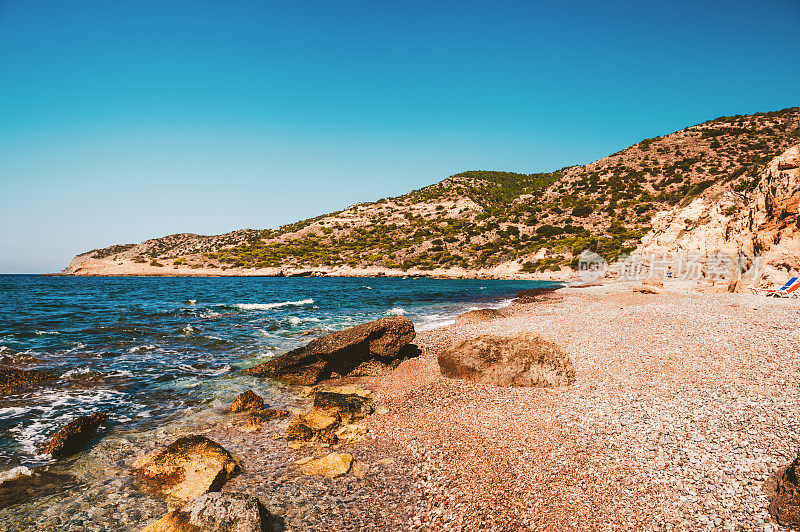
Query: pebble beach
{"points": [[682, 405]]}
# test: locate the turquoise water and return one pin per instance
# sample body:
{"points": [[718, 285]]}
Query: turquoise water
{"points": [[149, 351]]}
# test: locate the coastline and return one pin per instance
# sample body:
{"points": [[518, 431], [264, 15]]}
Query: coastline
{"points": [[681, 407], [83, 266]]}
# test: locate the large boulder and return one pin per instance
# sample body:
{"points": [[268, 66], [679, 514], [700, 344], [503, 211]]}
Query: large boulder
{"points": [[188, 467], [478, 316], [217, 512], [522, 360], [72, 437], [341, 352], [783, 491]]}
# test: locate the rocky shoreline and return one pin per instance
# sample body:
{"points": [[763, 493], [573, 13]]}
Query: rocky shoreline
{"points": [[677, 409]]}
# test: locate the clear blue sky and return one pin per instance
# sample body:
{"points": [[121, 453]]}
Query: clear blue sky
{"points": [[122, 121]]}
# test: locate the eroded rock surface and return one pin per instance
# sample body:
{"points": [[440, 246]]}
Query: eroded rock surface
{"points": [[217, 512], [341, 353], [332, 417], [248, 400], [72, 437], [522, 360], [188, 467], [783, 491], [331, 466]]}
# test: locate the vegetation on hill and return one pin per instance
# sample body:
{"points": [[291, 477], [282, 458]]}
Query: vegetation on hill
{"points": [[483, 218]]}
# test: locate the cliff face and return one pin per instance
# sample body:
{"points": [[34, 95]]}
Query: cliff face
{"points": [[760, 222]]}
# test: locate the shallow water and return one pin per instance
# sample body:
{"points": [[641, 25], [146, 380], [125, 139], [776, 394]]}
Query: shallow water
{"points": [[164, 352]]}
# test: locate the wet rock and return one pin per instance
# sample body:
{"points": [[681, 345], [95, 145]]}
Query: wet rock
{"points": [[349, 406], [259, 417], [217, 512], [533, 295], [331, 466], [478, 316], [39, 483], [12, 378], [248, 400], [348, 433], [72, 437], [313, 426], [521, 360], [341, 352], [783, 491], [188, 467]]}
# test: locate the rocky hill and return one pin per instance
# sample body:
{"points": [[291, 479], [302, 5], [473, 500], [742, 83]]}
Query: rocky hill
{"points": [[488, 222], [760, 221]]}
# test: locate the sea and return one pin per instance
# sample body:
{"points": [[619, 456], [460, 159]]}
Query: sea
{"points": [[153, 351]]}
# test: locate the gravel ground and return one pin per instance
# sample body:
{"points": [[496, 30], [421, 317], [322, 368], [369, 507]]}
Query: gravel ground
{"points": [[682, 405]]}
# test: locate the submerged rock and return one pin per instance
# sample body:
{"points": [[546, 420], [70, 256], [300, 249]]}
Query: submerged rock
{"points": [[217, 512], [72, 437], [783, 491], [478, 316], [188, 467], [331, 466], [21, 486], [11, 378], [521, 360], [341, 352], [248, 400]]}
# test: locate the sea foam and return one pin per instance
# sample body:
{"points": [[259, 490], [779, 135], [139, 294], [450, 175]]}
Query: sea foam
{"points": [[268, 306]]}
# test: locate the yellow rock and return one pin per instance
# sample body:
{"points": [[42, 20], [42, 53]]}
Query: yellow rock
{"points": [[332, 466], [312, 426], [188, 467]]}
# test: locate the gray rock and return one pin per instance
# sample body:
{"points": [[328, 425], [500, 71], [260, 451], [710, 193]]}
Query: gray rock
{"points": [[217, 512]]}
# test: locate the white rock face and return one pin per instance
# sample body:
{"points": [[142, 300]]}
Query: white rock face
{"points": [[721, 220]]}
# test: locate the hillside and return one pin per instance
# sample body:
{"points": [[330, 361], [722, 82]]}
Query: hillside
{"points": [[487, 222]]}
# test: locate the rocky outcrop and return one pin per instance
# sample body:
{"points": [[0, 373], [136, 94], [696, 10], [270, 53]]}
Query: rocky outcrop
{"points": [[248, 400], [188, 467], [722, 221], [313, 426], [521, 360], [217, 512], [333, 465], [332, 417], [783, 491], [349, 407], [477, 316], [13, 378], [341, 353], [72, 437]]}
